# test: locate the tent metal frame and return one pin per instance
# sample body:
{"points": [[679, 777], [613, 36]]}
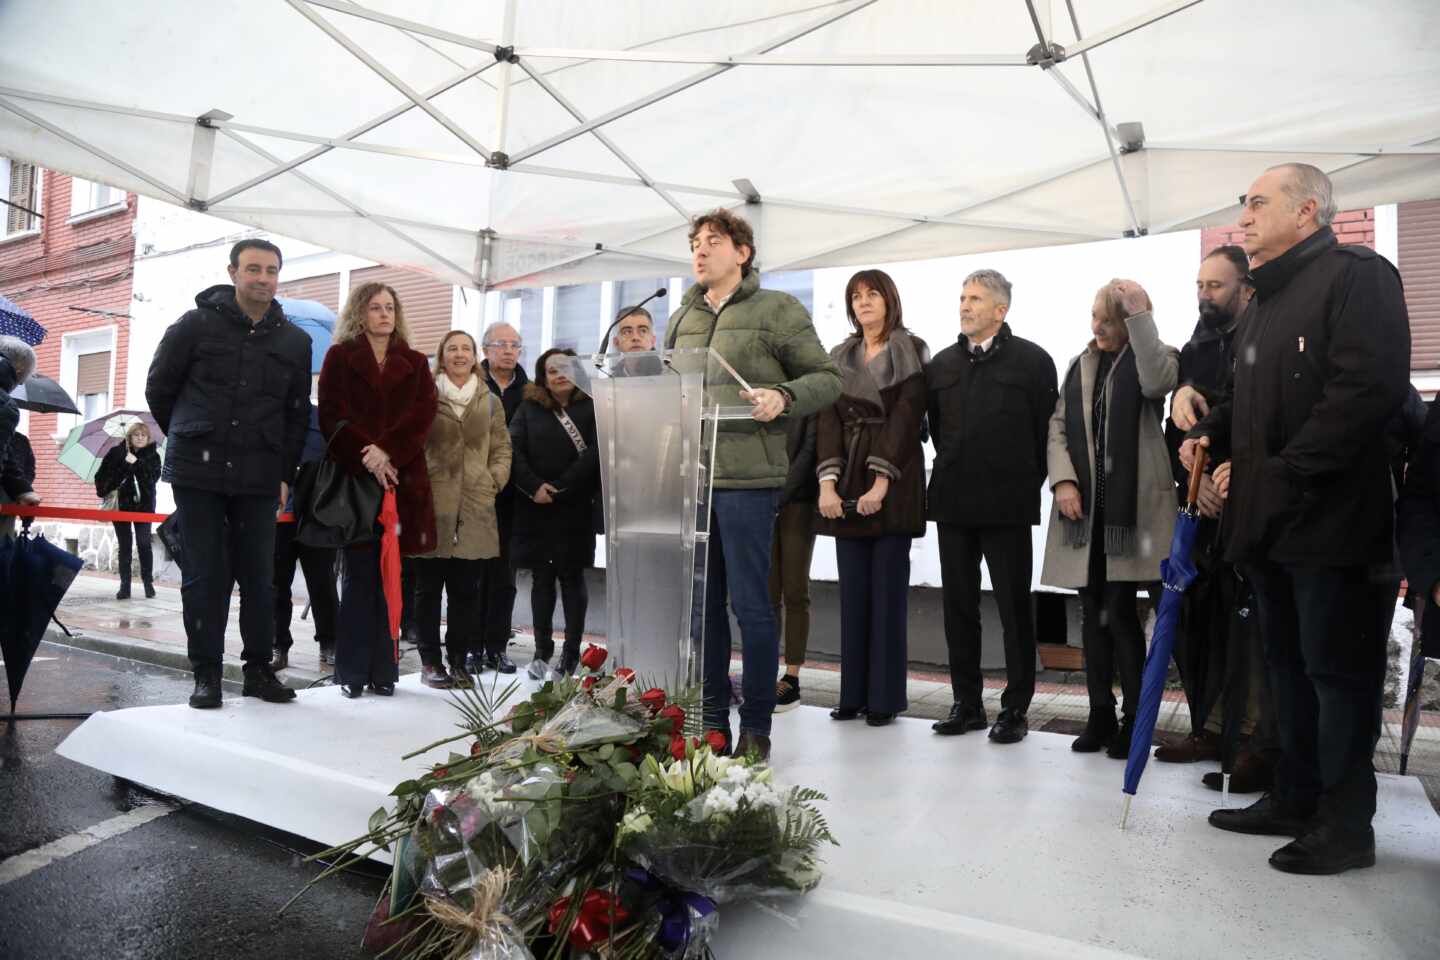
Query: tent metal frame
{"points": [[515, 66]]}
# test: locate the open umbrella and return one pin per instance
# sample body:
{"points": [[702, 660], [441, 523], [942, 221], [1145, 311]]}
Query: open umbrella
{"points": [[88, 443], [315, 319], [1176, 574], [390, 564], [43, 395], [34, 576], [16, 322]]}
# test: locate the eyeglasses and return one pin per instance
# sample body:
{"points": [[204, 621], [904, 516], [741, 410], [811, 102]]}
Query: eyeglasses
{"points": [[503, 344]]}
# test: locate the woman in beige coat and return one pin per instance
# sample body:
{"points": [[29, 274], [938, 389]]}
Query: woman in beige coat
{"points": [[1110, 528], [468, 455]]}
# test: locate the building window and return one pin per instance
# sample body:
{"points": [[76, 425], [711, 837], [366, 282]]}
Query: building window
{"points": [[22, 210], [577, 312], [525, 311], [92, 384], [87, 196], [87, 372]]}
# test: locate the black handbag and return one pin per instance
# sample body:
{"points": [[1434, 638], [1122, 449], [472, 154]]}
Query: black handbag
{"points": [[333, 507], [169, 534]]}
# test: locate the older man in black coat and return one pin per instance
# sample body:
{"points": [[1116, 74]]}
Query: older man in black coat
{"points": [[989, 398], [230, 386], [1322, 367]]}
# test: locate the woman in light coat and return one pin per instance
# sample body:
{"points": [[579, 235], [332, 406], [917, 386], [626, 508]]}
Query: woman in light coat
{"points": [[1110, 527], [468, 455]]}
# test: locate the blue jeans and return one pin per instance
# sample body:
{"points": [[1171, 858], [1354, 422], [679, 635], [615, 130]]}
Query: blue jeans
{"points": [[742, 525]]}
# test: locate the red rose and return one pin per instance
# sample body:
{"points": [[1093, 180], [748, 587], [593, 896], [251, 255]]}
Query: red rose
{"points": [[677, 747], [442, 772], [674, 714], [654, 698], [716, 739], [625, 675], [593, 657], [588, 682]]}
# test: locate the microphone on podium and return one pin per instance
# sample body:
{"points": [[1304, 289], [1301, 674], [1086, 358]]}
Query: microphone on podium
{"points": [[624, 312]]}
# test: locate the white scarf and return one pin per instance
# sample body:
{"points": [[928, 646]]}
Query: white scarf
{"points": [[458, 397]]}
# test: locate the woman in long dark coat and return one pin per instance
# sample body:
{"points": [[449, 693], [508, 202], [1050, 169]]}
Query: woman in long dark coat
{"points": [[556, 468], [872, 493], [384, 394], [130, 470]]}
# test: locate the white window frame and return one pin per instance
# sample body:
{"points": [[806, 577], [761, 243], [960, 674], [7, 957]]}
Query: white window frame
{"points": [[85, 197], [72, 345], [39, 203]]}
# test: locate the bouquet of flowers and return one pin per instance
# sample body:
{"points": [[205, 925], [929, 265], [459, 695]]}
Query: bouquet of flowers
{"points": [[581, 820]]}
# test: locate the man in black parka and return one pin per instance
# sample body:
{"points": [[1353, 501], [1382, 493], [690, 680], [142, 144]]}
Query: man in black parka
{"points": [[1322, 366], [230, 386]]}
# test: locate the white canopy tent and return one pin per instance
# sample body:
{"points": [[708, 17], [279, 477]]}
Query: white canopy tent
{"points": [[497, 144]]}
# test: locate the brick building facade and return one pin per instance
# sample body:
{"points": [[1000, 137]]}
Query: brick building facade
{"points": [[73, 272]]}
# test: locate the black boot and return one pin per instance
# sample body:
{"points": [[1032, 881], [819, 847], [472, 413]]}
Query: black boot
{"points": [[149, 589], [124, 592], [207, 688], [1119, 748], [260, 682], [1099, 731], [1329, 848]]}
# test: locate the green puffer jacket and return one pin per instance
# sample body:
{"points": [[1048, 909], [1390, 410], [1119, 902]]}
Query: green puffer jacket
{"points": [[768, 338]]}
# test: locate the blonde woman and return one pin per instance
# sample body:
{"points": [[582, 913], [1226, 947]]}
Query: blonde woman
{"points": [[468, 457], [383, 394], [130, 470]]}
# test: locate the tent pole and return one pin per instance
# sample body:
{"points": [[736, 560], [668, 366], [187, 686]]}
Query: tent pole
{"points": [[502, 99], [1128, 26], [355, 50], [409, 26], [202, 157], [70, 138], [686, 83]]}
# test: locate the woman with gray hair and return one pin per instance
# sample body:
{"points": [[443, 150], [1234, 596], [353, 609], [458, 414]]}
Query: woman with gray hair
{"points": [[17, 362]]}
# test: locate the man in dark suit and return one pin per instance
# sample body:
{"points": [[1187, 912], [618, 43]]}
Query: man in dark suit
{"points": [[991, 395]]}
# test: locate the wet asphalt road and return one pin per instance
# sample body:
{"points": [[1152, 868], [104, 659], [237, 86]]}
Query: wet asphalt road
{"points": [[193, 884]]}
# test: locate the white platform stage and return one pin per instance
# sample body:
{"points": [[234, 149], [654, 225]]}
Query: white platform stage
{"points": [[950, 847]]}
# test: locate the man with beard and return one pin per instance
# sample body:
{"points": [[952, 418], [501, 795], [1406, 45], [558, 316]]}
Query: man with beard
{"points": [[1219, 601]]}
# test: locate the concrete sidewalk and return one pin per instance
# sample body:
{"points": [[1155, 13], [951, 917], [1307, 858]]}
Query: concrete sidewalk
{"points": [[151, 631]]}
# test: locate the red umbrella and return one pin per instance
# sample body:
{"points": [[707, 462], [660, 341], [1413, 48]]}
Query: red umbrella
{"points": [[390, 563]]}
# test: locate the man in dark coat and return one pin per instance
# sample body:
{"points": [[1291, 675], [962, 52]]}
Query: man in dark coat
{"points": [[1323, 366], [230, 386], [506, 378], [990, 397]]}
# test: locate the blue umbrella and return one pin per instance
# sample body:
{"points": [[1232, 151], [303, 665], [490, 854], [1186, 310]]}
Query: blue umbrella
{"points": [[16, 322], [1176, 575], [317, 320]]}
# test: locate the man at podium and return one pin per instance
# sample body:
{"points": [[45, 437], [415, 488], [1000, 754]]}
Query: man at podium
{"points": [[635, 335], [768, 339]]}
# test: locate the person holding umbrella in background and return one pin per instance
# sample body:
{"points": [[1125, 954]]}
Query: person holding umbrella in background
{"points": [[130, 471], [17, 360]]}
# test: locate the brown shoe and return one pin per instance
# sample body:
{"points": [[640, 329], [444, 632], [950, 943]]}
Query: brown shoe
{"points": [[1193, 749], [1252, 773], [435, 677]]}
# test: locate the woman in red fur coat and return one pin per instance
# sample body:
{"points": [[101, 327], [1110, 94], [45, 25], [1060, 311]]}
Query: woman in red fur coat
{"points": [[385, 395]]}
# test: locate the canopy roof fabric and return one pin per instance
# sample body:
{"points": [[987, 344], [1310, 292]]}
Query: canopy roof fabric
{"points": [[498, 143]]}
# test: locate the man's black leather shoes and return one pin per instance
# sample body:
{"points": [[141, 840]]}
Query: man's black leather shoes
{"points": [[383, 689], [1010, 727], [1265, 817], [1327, 849], [845, 713], [962, 717], [878, 719], [353, 690], [260, 682], [499, 662], [207, 688]]}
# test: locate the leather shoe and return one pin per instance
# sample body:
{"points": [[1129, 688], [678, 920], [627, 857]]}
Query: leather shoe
{"points": [[383, 689], [1265, 817], [878, 719], [1252, 773], [753, 745], [281, 660], [1010, 727], [963, 717], [260, 682], [123, 593], [149, 591], [460, 678], [353, 690], [499, 662], [1325, 850], [845, 713], [1193, 749], [207, 688], [474, 663], [435, 677]]}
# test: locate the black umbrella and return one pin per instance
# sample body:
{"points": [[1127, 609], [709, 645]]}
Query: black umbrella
{"points": [[34, 576], [43, 395]]}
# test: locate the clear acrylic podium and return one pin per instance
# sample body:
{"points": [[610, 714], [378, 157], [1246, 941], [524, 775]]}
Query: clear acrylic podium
{"points": [[656, 416]]}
